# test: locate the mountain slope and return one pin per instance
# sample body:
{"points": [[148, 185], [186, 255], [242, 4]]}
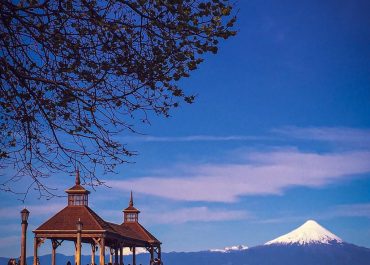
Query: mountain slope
{"points": [[314, 254], [229, 249], [310, 244], [308, 233]]}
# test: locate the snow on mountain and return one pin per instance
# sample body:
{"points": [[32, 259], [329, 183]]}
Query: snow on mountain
{"points": [[308, 233], [229, 249]]}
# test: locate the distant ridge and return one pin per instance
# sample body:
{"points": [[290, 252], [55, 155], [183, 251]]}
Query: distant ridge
{"points": [[308, 233], [309, 244], [229, 249]]}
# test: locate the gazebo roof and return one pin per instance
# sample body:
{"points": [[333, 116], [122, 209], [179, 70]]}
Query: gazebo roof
{"points": [[64, 222], [140, 232], [135, 231]]}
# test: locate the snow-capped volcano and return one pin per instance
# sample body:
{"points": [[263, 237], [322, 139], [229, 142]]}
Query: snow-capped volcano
{"points": [[229, 249], [308, 233]]}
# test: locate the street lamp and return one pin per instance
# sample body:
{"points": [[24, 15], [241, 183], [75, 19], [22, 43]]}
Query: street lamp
{"points": [[24, 216]]}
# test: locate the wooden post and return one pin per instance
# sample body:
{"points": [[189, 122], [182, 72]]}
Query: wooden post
{"points": [[93, 249], [121, 255], [54, 246], [115, 255], [35, 246], [133, 256], [151, 255], [159, 252], [78, 248], [75, 252], [111, 255], [102, 252]]}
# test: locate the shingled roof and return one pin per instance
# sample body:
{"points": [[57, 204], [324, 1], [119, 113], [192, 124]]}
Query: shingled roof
{"points": [[66, 219], [139, 232]]}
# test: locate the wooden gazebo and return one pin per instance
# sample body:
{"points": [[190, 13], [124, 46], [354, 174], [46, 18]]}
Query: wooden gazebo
{"points": [[80, 224]]}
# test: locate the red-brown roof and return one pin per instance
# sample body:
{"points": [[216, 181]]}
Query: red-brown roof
{"points": [[77, 189], [139, 232], [67, 218], [131, 209]]}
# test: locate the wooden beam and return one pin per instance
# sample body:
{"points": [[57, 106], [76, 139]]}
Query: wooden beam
{"points": [[121, 254], [93, 249], [151, 255], [116, 255], [78, 247], [111, 251], [53, 252], [134, 256], [35, 246], [102, 251], [54, 244]]}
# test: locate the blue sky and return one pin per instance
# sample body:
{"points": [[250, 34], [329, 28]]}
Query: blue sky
{"points": [[279, 133]]}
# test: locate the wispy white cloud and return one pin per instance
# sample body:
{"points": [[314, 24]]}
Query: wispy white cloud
{"points": [[183, 215], [9, 241], [35, 210], [328, 134], [192, 138], [283, 219], [344, 210], [260, 173], [10, 227], [352, 210], [196, 214]]}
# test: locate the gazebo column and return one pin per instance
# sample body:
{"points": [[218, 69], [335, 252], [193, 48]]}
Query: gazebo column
{"points": [[102, 251], [151, 254], [54, 245], [75, 252], [121, 255], [36, 243], [35, 246], [93, 249], [78, 249], [111, 255], [159, 252], [115, 255], [133, 256]]}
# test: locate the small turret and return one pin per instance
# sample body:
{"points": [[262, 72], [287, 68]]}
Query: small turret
{"points": [[131, 214], [78, 195]]}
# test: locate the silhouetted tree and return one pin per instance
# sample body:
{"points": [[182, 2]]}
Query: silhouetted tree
{"points": [[74, 74]]}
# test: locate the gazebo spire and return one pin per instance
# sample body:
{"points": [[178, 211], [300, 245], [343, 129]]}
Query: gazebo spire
{"points": [[77, 195], [131, 200], [78, 181]]}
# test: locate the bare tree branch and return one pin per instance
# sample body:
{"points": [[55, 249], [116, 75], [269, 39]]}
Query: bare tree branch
{"points": [[75, 74]]}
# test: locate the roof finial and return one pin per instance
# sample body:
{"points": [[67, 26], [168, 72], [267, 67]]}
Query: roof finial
{"points": [[131, 200], [78, 182]]}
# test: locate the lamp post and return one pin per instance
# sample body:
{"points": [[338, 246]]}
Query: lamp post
{"points": [[78, 243], [24, 215]]}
